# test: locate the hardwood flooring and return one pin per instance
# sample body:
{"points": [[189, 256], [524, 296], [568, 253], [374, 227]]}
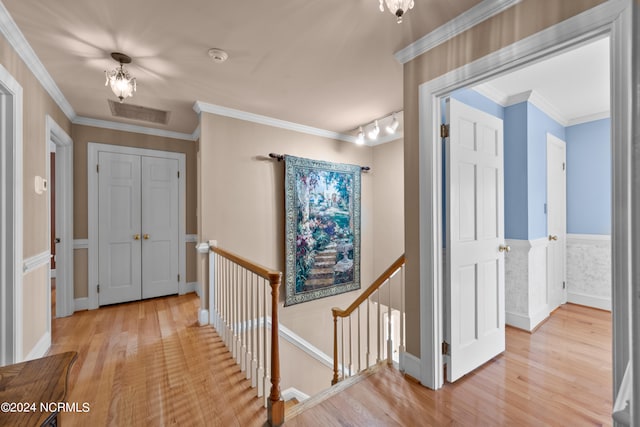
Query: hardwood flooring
{"points": [[149, 364], [559, 376]]}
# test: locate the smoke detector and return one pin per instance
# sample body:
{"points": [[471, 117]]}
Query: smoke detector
{"points": [[218, 55]]}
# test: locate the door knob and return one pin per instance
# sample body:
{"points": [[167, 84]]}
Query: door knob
{"points": [[553, 237], [146, 237], [504, 248], [57, 240], [136, 237]]}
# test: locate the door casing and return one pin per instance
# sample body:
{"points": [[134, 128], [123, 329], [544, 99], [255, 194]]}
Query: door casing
{"points": [[92, 154]]}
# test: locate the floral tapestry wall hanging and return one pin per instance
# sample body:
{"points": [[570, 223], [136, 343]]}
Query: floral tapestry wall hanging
{"points": [[322, 206]]}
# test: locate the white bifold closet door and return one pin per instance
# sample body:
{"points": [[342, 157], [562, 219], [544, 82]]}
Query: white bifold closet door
{"points": [[138, 227]]}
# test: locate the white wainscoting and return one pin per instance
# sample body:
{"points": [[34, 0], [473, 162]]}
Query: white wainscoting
{"points": [[526, 283], [589, 270]]}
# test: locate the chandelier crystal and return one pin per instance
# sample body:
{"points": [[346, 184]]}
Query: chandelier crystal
{"points": [[120, 80], [397, 7]]}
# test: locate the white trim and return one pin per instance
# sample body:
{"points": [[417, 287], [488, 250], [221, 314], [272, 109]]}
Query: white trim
{"points": [[410, 365], [294, 393], [53, 271], [41, 347], [461, 23], [384, 139], [517, 320], [190, 287], [63, 144], [539, 316], [542, 103], [588, 238], [594, 301], [81, 304], [35, 262], [11, 218], [127, 127], [203, 317], [191, 238], [304, 345], [589, 118], [588, 25], [93, 149], [519, 244], [80, 243], [20, 44], [204, 107], [202, 248]]}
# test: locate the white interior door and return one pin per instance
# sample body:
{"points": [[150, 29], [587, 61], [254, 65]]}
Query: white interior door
{"points": [[556, 221], [119, 218], [160, 267], [474, 300]]}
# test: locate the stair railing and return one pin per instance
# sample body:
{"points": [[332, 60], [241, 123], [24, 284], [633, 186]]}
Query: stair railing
{"points": [[242, 312], [383, 315]]}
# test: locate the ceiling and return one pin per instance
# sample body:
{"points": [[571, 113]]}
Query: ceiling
{"points": [[326, 64]]}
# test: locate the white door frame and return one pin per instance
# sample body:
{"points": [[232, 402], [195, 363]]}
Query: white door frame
{"points": [[64, 216], [554, 140], [613, 18], [92, 154], [11, 227]]}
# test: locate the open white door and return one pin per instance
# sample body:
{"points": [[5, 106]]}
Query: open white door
{"points": [[474, 296], [556, 222]]}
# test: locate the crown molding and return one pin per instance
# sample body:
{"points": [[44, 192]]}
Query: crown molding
{"points": [[126, 127], [589, 118], [385, 139], [16, 39], [204, 107], [540, 102], [489, 91], [472, 17]]}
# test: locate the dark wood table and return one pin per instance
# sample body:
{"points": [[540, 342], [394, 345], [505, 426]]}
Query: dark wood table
{"points": [[30, 391]]}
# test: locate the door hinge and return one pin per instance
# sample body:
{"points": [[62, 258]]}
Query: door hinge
{"points": [[97, 168], [178, 277], [178, 174], [564, 285], [563, 165], [444, 131], [98, 288], [445, 347]]}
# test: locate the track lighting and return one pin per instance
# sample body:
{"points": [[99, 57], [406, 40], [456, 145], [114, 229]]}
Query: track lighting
{"points": [[360, 138], [393, 126], [373, 133]]}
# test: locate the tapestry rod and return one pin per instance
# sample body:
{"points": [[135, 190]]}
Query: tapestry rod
{"points": [[280, 157]]}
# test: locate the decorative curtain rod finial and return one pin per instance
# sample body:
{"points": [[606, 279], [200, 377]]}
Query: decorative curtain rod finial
{"points": [[278, 157]]}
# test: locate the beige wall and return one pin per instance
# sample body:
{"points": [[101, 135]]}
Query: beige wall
{"points": [[242, 204], [82, 136], [37, 104], [388, 204], [524, 19]]}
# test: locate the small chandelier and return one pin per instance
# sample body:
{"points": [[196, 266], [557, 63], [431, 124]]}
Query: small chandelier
{"points": [[122, 83], [397, 7]]}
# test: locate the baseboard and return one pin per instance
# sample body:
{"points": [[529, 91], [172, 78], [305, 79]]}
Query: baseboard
{"points": [[602, 303], [190, 287], [41, 347], [304, 345], [410, 364], [519, 321], [539, 317], [294, 393], [81, 304], [203, 317]]}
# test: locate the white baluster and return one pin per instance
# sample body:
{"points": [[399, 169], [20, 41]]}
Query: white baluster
{"points": [[378, 325], [401, 349], [359, 344], [389, 323], [368, 361]]}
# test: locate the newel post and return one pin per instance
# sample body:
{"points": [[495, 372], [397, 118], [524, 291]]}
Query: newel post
{"points": [[275, 409], [335, 347]]}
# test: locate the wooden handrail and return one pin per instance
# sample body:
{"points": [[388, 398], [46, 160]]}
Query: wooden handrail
{"points": [[275, 407], [337, 312]]}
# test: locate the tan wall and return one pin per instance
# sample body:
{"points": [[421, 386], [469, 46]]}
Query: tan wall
{"points": [[82, 136], [524, 19], [37, 104], [388, 204], [242, 198]]}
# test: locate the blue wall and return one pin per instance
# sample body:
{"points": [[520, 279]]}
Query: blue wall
{"points": [[516, 206], [589, 177], [538, 125]]}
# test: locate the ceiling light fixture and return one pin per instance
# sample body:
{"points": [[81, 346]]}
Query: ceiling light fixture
{"points": [[218, 55], [122, 83], [397, 7], [393, 127], [360, 138], [373, 133]]}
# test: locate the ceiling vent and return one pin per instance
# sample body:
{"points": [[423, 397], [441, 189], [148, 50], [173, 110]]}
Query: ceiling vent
{"points": [[137, 112]]}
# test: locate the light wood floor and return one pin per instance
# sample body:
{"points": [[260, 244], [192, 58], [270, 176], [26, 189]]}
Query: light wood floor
{"points": [[148, 363], [559, 376]]}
